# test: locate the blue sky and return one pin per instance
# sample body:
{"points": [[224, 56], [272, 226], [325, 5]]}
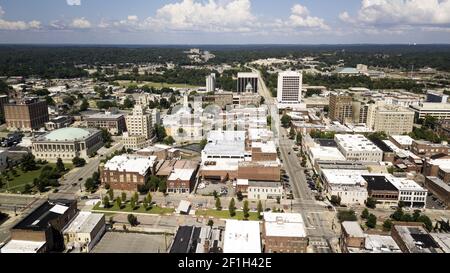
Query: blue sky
{"points": [[224, 21]]}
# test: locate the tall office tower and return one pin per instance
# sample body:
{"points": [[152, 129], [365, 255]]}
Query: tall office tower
{"points": [[140, 122], [211, 83], [247, 82], [341, 108], [290, 87]]}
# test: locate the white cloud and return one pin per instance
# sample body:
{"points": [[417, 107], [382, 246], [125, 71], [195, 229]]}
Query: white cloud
{"points": [[132, 18], [191, 15], [80, 23], [402, 12], [73, 2], [301, 17], [17, 25]]}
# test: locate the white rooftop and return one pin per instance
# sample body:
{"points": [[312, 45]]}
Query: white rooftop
{"points": [[444, 164], [18, 246], [345, 177], [356, 143], [181, 174], [184, 206], [247, 75], [284, 224], [225, 136], [85, 222], [404, 184], [266, 147], [326, 153], [381, 244], [242, 237], [353, 229], [59, 209], [403, 140], [129, 163]]}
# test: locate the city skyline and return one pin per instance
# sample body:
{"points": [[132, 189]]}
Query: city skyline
{"points": [[224, 22]]}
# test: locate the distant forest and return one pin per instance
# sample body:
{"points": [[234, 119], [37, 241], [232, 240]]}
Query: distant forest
{"points": [[62, 61]]}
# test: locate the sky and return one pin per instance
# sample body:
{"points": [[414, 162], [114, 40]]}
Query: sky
{"points": [[224, 21]]}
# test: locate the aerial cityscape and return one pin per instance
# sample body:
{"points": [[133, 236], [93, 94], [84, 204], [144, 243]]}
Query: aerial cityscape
{"points": [[182, 145]]}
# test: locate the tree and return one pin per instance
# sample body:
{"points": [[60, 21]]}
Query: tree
{"points": [[292, 133], [203, 143], [286, 121], [60, 165], [210, 223], [132, 220], [133, 203], [278, 200], [136, 196], [160, 132], [128, 103], [84, 105], [371, 221], [119, 202], [106, 201], [246, 210], [162, 186], [371, 203], [106, 137], [398, 214], [427, 222], [416, 215], [387, 225], [124, 196], [347, 215], [407, 218], [149, 199], [232, 208], [365, 214], [89, 184], [28, 163], [335, 200], [169, 140], [218, 204], [78, 162], [111, 194], [239, 196], [259, 209]]}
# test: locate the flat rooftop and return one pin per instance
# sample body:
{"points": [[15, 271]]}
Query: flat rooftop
{"points": [[403, 139], [40, 218], [84, 222], [130, 163], [417, 239], [356, 143], [353, 229], [242, 237], [284, 224], [18, 246], [326, 153], [345, 176], [379, 183]]}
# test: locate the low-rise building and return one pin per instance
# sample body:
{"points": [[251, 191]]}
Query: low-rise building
{"points": [[84, 231], [358, 148], [114, 123], [346, 184], [414, 238], [67, 143], [183, 177], [439, 188], [190, 239], [402, 141], [284, 233], [242, 237], [41, 230], [437, 110], [352, 236], [127, 172], [58, 123], [263, 190], [429, 149]]}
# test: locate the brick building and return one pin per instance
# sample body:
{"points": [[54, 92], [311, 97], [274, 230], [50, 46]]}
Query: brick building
{"points": [[27, 115], [284, 233]]}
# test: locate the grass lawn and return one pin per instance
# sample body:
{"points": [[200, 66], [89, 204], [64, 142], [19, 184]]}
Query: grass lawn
{"points": [[18, 182], [154, 210], [158, 85], [225, 214]]}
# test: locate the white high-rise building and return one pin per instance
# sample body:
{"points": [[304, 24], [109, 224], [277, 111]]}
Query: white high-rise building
{"points": [[290, 87], [140, 122], [211, 83]]}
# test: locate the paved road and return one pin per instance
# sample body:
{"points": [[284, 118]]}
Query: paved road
{"points": [[304, 202], [73, 182]]}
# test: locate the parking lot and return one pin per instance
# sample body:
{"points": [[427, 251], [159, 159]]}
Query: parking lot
{"points": [[118, 242], [222, 189], [434, 203]]}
